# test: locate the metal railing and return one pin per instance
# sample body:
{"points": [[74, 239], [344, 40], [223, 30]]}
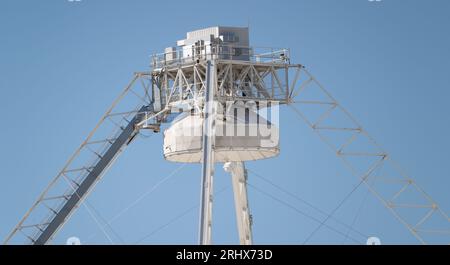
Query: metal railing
{"points": [[190, 54]]}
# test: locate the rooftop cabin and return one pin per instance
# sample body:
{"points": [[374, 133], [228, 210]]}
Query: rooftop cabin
{"points": [[224, 43]]}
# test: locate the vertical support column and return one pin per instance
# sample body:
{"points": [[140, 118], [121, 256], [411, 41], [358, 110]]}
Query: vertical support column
{"points": [[208, 156], [286, 73], [239, 180], [156, 93]]}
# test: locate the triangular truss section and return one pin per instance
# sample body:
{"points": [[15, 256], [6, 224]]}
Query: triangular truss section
{"points": [[367, 160], [83, 170]]}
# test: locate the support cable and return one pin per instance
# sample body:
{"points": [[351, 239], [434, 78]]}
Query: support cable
{"points": [[299, 211], [91, 214], [141, 197], [342, 202], [386, 198], [177, 217], [122, 241], [359, 210], [350, 228]]}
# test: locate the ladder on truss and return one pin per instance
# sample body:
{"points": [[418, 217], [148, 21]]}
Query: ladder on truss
{"points": [[397, 191], [73, 183]]}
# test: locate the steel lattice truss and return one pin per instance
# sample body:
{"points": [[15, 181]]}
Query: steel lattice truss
{"points": [[72, 184], [366, 160], [236, 80], [151, 96], [174, 88]]}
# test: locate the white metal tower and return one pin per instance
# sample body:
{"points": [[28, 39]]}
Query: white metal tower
{"points": [[220, 88]]}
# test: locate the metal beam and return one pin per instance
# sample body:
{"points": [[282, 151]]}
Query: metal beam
{"points": [[244, 219], [124, 138], [365, 158], [208, 156]]}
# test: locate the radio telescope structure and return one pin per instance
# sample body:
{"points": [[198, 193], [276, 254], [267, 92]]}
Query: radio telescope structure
{"points": [[221, 97]]}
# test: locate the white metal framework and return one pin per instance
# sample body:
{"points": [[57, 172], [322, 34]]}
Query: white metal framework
{"points": [[243, 216], [208, 157], [366, 160], [177, 85]]}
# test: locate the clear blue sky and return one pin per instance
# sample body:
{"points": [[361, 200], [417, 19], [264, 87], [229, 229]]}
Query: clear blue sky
{"points": [[62, 64]]}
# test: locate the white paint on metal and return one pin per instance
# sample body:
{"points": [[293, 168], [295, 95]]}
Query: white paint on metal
{"points": [[243, 217], [237, 138], [231, 39], [208, 157]]}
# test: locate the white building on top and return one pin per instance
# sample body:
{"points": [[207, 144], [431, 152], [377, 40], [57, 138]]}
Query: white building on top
{"points": [[229, 43]]}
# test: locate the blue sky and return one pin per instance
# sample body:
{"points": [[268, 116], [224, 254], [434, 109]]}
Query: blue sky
{"points": [[62, 63]]}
